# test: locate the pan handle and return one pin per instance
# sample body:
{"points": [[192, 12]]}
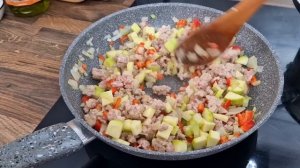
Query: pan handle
{"points": [[49, 143]]}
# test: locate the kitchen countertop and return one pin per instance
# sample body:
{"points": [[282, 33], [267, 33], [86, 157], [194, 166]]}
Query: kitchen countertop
{"points": [[30, 53]]}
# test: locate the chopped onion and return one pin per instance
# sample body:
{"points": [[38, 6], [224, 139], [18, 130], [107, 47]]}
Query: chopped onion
{"points": [[116, 37], [175, 19], [189, 20], [206, 19], [126, 30], [89, 53], [81, 58], [82, 87], [129, 44], [107, 37], [236, 110], [116, 32], [73, 84], [252, 63], [145, 19], [260, 69], [89, 42], [74, 71]]}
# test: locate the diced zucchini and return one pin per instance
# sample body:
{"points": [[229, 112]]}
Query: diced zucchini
{"points": [[219, 93], [136, 127], [188, 130], [130, 66], [106, 98], [127, 125], [175, 130], [166, 133], [205, 134], [198, 119], [149, 30], [207, 126], [196, 131], [147, 45], [121, 141], [213, 138], [171, 44], [180, 32], [170, 120], [149, 112], [199, 142], [168, 107], [187, 115], [179, 146], [135, 27], [135, 38], [236, 99], [242, 60], [98, 91], [114, 128], [246, 101], [109, 62], [221, 117], [208, 115]]}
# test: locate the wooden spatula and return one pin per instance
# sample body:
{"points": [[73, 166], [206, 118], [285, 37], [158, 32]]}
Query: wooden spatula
{"points": [[207, 43]]}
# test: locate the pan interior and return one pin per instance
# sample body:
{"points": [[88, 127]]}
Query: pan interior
{"points": [[264, 96]]}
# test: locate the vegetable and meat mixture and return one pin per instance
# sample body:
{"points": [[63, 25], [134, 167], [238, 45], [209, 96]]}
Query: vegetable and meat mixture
{"points": [[210, 108]]}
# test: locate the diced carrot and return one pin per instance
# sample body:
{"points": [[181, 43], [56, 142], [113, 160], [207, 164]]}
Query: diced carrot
{"points": [[105, 114], [237, 134], [159, 76], [84, 99], [151, 37], [224, 139], [200, 107], [151, 51], [117, 103], [98, 125], [253, 80], [189, 139], [247, 126], [148, 62], [140, 64], [135, 101], [228, 81], [84, 67], [227, 104], [121, 26], [123, 39], [180, 125], [142, 87], [114, 89], [101, 58], [109, 83], [98, 106], [181, 23], [173, 95]]}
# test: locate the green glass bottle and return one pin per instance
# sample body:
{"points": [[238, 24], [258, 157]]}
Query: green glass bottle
{"points": [[27, 8]]}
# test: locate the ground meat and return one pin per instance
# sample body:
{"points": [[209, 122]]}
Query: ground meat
{"points": [[91, 103], [143, 143], [90, 119], [88, 90], [148, 132], [100, 74], [163, 127], [249, 74], [158, 104], [114, 114], [161, 90], [134, 112], [213, 103], [180, 136], [130, 138], [122, 61], [222, 110], [162, 145]]}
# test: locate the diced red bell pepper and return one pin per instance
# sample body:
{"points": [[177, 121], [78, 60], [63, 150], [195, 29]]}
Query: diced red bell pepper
{"points": [[114, 89], [248, 125], [223, 139], [98, 125], [105, 114], [101, 58], [135, 101], [227, 104], [228, 81], [196, 22], [84, 99]]}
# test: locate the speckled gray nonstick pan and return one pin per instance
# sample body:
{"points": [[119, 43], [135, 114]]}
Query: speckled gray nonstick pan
{"points": [[65, 138]]}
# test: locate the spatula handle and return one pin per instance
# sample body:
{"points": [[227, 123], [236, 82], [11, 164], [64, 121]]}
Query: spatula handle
{"points": [[241, 13]]}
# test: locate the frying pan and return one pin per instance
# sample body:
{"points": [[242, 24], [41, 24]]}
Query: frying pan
{"points": [[64, 138]]}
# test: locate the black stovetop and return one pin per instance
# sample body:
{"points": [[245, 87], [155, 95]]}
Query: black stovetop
{"points": [[276, 144]]}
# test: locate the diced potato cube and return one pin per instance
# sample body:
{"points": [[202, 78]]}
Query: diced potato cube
{"points": [[149, 112], [207, 126], [135, 27], [213, 138], [179, 146], [170, 120], [136, 127], [127, 125], [199, 142]]}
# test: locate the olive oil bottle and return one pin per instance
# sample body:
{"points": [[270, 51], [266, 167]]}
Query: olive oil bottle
{"points": [[27, 8]]}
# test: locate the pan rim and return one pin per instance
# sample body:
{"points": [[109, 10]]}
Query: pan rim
{"points": [[169, 155]]}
